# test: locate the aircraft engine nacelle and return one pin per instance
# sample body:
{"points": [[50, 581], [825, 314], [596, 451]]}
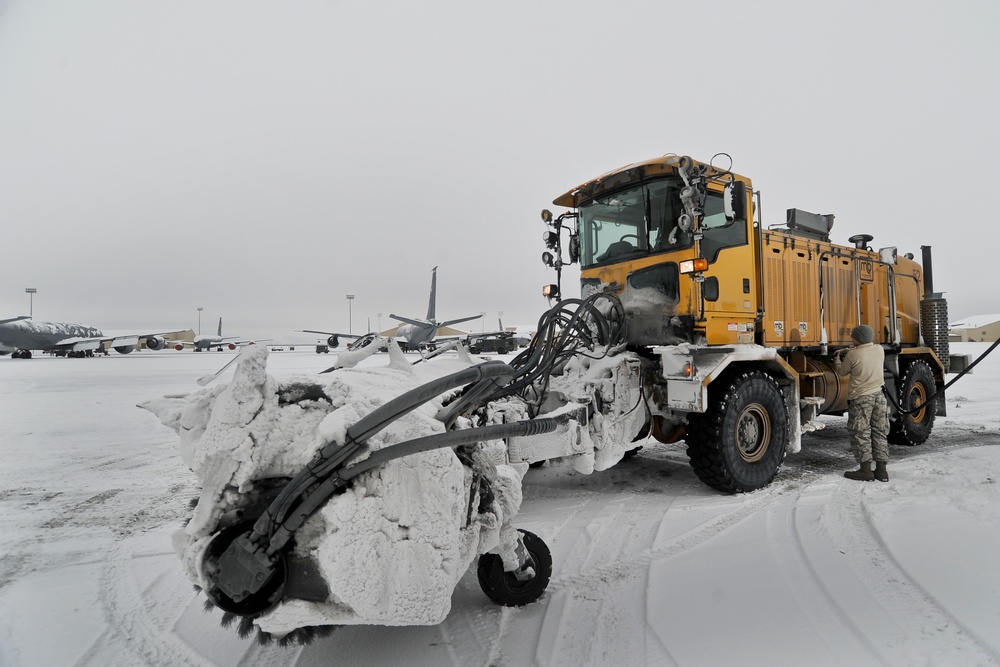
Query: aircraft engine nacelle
{"points": [[178, 347], [124, 349], [232, 346], [155, 343], [333, 341]]}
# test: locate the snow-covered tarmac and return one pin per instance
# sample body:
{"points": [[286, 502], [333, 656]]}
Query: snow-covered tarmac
{"points": [[650, 566]]}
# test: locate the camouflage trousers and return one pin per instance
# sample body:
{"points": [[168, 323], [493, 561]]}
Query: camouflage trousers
{"points": [[868, 425]]}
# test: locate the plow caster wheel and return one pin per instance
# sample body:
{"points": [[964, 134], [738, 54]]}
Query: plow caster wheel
{"points": [[506, 588]]}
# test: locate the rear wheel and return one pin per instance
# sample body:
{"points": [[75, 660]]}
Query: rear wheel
{"points": [[739, 443], [916, 387]]}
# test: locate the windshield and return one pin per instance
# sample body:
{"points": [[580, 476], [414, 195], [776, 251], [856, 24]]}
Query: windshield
{"points": [[636, 221], [643, 220]]}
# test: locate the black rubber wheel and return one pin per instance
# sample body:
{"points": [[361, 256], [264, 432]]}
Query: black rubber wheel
{"points": [[740, 442], [504, 587], [916, 386]]}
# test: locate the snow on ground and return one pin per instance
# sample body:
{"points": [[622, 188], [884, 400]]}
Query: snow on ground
{"points": [[650, 566]]}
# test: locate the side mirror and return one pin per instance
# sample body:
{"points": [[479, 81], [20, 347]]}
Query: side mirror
{"points": [[574, 248], [546, 216], [735, 200], [710, 289]]}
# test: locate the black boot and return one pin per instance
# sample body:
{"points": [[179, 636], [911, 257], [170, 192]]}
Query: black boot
{"points": [[864, 473], [881, 474]]}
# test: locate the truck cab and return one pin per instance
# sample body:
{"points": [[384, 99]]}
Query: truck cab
{"points": [[671, 238]]}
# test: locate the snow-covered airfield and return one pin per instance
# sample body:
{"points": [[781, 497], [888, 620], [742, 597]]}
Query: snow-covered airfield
{"points": [[650, 566]]}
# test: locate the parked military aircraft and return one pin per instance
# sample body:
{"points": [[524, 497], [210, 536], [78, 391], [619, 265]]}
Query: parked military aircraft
{"points": [[411, 334], [208, 341], [20, 336], [417, 331]]}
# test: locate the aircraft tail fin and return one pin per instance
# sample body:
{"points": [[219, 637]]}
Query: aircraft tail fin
{"points": [[433, 300], [220, 326]]}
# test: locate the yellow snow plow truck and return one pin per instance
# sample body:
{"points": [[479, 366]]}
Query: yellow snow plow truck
{"points": [[736, 323], [363, 495]]}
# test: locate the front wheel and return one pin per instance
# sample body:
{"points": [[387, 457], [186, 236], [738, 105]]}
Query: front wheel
{"points": [[505, 587], [740, 442], [917, 385]]}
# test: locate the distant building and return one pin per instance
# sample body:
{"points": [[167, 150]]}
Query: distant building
{"points": [[981, 328]]}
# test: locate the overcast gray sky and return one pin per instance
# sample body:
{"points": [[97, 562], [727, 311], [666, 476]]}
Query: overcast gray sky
{"points": [[264, 160]]}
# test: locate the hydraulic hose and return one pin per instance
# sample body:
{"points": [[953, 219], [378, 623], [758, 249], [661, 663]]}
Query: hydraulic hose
{"points": [[451, 439], [933, 396], [278, 522]]}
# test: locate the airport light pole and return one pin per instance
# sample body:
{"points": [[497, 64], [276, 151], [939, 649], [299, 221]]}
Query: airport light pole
{"points": [[380, 323], [350, 298], [31, 301], [199, 319]]}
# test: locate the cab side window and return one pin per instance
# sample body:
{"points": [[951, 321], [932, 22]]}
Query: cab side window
{"points": [[719, 232]]}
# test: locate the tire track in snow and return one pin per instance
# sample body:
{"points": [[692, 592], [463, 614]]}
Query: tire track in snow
{"points": [[900, 585], [827, 457], [130, 630], [880, 602], [833, 622], [148, 633], [578, 593]]}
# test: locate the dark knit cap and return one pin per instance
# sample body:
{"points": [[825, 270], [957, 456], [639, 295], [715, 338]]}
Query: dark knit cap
{"points": [[863, 333]]}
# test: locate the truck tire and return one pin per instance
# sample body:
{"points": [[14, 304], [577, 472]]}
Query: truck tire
{"points": [[740, 442], [504, 587], [916, 386]]}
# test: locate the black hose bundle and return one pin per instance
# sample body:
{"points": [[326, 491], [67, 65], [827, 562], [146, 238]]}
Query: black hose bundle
{"points": [[572, 328]]}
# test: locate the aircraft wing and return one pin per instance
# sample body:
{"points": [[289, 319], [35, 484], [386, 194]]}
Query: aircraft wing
{"points": [[232, 340], [464, 319], [114, 339], [408, 320], [330, 333]]}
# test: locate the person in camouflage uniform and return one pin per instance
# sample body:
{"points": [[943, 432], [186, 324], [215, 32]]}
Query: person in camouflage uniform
{"points": [[868, 412]]}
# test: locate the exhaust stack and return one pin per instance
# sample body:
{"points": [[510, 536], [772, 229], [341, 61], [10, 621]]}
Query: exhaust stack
{"points": [[934, 314]]}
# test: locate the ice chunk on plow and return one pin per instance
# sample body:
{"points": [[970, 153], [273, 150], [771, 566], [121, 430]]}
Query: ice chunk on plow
{"points": [[386, 548]]}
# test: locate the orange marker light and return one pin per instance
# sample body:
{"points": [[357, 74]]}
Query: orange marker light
{"points": [[694, 265]]}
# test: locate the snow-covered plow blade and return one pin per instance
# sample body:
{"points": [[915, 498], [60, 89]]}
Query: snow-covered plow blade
{"points": [[364, 498]]}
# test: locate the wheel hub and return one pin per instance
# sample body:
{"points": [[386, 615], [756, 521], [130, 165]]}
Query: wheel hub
{"points": [[917, 398], [753, 433]]}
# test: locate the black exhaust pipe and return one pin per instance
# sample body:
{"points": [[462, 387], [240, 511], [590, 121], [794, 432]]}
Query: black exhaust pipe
{"points": [[925, 251]]}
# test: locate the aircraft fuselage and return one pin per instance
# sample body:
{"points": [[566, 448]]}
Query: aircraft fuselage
{"points": [[33, 335]]}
